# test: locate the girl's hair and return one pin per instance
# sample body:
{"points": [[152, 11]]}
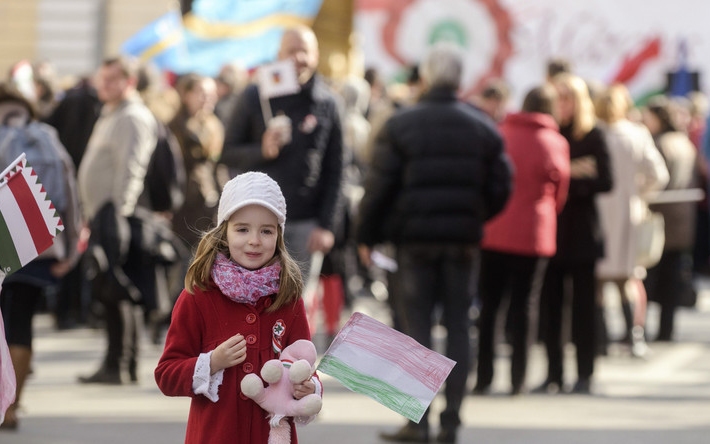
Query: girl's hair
{"points": [[614, 103], [214, 241], [583, 119]]}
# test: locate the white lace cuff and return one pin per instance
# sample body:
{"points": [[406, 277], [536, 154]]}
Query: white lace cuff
{"points": [[202, 382]]}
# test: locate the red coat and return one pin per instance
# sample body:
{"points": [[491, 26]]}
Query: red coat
{"points": [[540, 155], [201, 322]]}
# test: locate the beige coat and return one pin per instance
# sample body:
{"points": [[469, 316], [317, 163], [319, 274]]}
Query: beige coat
{"points": [[637, 168]]}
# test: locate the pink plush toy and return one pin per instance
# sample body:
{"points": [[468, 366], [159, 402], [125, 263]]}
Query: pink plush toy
{"points": [[296, 364]]}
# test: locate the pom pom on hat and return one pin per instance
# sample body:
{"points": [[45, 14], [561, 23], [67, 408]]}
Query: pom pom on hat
{"points": [[251, 188]]}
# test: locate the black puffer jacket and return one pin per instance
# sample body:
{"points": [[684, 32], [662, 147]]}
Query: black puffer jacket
{"points": [[438, 172]]}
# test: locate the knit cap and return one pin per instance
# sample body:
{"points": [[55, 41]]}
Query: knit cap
{"points": [[252, 188]]}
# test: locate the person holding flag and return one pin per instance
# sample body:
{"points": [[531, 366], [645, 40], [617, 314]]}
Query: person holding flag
{"points": [[39, 227], [301, 148]]}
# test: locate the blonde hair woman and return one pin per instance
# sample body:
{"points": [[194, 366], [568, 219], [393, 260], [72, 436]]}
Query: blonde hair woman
{"points": [[638, 168], [579, 238]]}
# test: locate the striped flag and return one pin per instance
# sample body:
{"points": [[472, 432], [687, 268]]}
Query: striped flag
{"points": [[370, 358], [28, 220]]}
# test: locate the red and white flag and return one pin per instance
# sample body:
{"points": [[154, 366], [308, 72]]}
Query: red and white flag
{"points": [[28, 220], [28, 224], [373, 359]]}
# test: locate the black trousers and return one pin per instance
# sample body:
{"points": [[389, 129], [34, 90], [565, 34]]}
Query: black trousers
{"points": [[666, 283], [432, 276], [521, 277], [123, 321], [580, 277]]}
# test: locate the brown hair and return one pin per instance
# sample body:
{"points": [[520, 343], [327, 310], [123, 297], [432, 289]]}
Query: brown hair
{"points": [[129, 65], [214, 241], [540, 99]]}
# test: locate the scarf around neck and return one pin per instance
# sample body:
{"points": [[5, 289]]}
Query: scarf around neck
{"points": [[242, 285]]}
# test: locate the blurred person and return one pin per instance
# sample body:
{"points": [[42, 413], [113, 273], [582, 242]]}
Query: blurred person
{"points": [[637, 169], [74, 118], [697, 129], [514, 256], [426, 192], [309, 168], [45, 81], [557, 65], [22, 291], [493, 99], [156, 92], [378, 91], [580, 242], [201, 136], [111, 180], [671, 279], [231, 81]]}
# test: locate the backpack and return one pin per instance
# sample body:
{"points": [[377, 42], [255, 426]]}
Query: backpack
{"points": [[165, 179], [42, 149]]}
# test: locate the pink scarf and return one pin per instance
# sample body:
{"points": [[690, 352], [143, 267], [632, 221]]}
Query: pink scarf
{"points": [[242, 285]]}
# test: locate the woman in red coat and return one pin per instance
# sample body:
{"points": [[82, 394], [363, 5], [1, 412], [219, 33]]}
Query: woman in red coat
{"points": [[241, 306], [517, 242]]}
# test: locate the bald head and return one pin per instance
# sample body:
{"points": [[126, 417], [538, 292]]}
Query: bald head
{"points": [[300, 45]]}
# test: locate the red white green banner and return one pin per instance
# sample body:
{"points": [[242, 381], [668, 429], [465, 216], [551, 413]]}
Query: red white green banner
{"points": [[28, 220], [370, 358], [630, 41]]}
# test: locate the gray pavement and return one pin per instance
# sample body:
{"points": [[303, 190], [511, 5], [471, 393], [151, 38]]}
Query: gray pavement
{"points": [[663, 399]]}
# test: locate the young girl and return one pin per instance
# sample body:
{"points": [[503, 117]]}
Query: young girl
{"points": [[241, 306]]}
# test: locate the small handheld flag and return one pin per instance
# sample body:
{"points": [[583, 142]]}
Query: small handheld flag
{"points": [[275, 80], [28, 220], [370, 358]]}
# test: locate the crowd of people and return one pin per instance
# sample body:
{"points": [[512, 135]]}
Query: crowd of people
{"points": [[519, 212]]}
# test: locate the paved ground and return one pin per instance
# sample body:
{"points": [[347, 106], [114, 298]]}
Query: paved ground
{"points": [[664, 399]]}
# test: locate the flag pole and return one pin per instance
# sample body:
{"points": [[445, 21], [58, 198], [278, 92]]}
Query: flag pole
{"points": [[265, 108], [8, 169]]}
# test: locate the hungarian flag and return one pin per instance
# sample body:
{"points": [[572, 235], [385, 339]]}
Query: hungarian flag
{"points": [[28, 220], [370, 358]]}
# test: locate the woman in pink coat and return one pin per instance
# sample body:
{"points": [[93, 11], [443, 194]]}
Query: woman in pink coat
{"points": [[517, 243]]}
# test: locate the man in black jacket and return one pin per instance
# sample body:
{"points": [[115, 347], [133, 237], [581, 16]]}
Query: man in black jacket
{"points": [[309, 168], [438, 173]]}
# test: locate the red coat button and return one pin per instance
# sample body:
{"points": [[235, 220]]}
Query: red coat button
{"points": [[251, 339], [251, 318], [248, 367]]}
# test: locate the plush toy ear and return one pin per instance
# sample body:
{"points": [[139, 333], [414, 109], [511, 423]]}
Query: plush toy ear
{"points": [[251, 385], [272, 370], [300, 371]]}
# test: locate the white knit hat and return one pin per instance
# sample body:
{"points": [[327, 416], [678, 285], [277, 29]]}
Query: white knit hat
{"points": [[251, 188]]}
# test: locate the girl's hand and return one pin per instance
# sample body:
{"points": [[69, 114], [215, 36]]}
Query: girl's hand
{"points": [[307, 387], [231, 352]]}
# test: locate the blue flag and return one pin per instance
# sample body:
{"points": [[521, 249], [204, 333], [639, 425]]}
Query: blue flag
{"points": [[244, 31], [681, 82], [162, 42]]}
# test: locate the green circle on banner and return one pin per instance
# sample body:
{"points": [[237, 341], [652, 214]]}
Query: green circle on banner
{"points": [[448, 31]]}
